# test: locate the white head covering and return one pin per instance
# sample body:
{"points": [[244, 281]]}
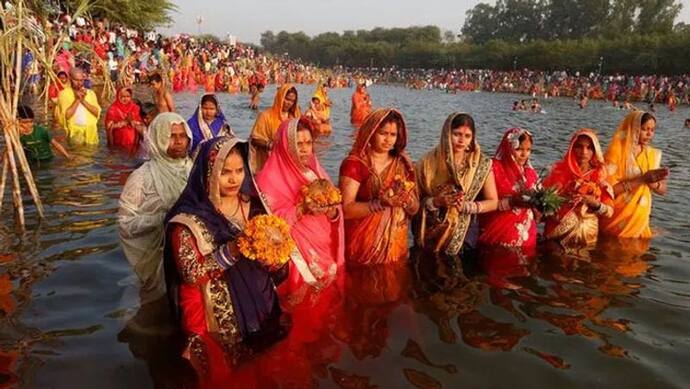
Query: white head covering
{"points": [[169, 174]]}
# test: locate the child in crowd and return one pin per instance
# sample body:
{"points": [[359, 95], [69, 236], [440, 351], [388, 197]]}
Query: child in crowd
{"points": [[36, 139]]}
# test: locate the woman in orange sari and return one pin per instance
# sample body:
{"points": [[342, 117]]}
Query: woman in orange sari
{"points": [[267, 123], [580, 177], [375, 225], [361, 105], [634, 172]]}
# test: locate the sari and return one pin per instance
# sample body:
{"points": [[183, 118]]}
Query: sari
{"points": [[321, 94], [380, 237], [361, 106], [631, 210], [267, 124], [201, 130], [575, 224], [320, 241], [445, 230], [127, 137], [226, 306], [511, 227], [149, 193]]}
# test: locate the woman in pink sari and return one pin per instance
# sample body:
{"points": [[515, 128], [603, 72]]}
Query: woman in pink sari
{"points": [[318, 233]]}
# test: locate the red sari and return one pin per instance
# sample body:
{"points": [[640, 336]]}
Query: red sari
{"points": [[127, 137], [512, 227], [380, 237]]}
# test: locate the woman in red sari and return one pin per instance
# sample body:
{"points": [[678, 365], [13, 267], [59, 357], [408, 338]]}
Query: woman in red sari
{"points": [[580, 177], [123, 122], [513, 224], [376, 228]]}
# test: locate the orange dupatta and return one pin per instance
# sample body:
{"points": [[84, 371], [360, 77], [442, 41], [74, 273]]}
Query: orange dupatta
{"points": [[267, 123]]}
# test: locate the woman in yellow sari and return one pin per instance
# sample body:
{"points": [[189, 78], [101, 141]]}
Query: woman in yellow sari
{"points": [[267, 123], [456, 183], [634, 172], [376, 223]]}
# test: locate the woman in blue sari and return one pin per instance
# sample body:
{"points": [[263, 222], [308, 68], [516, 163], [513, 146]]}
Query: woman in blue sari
{"points": [[208, 121], [226, 305]]}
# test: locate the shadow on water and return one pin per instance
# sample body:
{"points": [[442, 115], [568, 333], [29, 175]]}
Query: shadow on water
{"points": [[613, 315]]}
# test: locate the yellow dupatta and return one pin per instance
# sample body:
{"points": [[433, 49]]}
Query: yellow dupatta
{"points": [[437, 169], [631, 210], [320, 94]]}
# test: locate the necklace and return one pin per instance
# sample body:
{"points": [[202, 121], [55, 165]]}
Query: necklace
{"points": [[233, 216], [462, 166]]}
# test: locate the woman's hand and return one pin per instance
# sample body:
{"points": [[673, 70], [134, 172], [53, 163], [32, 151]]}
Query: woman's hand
{"points": [[590, 201], [447, 197], [655, 175]]}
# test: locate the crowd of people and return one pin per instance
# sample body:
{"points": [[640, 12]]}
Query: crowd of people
{"points": [[617, 88], [183, 211]]}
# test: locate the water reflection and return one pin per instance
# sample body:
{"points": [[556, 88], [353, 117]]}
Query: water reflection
{"points": [[371, 294]]}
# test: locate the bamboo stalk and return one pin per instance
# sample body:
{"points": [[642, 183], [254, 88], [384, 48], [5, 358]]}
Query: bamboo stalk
{"points": [[24, 165], [16, 192], [3, 180]]}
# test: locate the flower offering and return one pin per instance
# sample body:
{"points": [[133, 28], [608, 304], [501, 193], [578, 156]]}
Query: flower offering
{"points": [[400, 187], [266, 238], [545, 200], [320, 194]]}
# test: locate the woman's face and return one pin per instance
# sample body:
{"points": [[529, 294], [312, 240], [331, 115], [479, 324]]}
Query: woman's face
{"points": [[305, 145], [209, 110], [461, 138], [647, 132], [177, 146], [232, 175], [522, 152], [385, 137], [583, 150], [289, 101], [125, 96]]}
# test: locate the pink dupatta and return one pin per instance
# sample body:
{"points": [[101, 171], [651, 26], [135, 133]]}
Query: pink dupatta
{"points": [[321, 242]]}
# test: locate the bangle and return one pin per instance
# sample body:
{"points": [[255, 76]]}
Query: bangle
{"points": [[626, 186], [504, 204]]}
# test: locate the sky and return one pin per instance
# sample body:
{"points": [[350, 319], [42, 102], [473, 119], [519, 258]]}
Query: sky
{"points": [[248, 19]]}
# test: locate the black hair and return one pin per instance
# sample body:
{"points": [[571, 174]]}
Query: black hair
{"points": [[464, 119], [210, 97], [524, 137], [155, 77], [646, 117], [147, 108], [25, 112]]}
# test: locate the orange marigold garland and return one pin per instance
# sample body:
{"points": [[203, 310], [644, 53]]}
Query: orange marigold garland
{"points": [[320, 193], [266, 239]]}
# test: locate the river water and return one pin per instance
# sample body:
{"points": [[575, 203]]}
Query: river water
{"points": [[616, 317]]}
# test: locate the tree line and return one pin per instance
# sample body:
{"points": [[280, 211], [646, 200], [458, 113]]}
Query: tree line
{"points": [[625, 36]]}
